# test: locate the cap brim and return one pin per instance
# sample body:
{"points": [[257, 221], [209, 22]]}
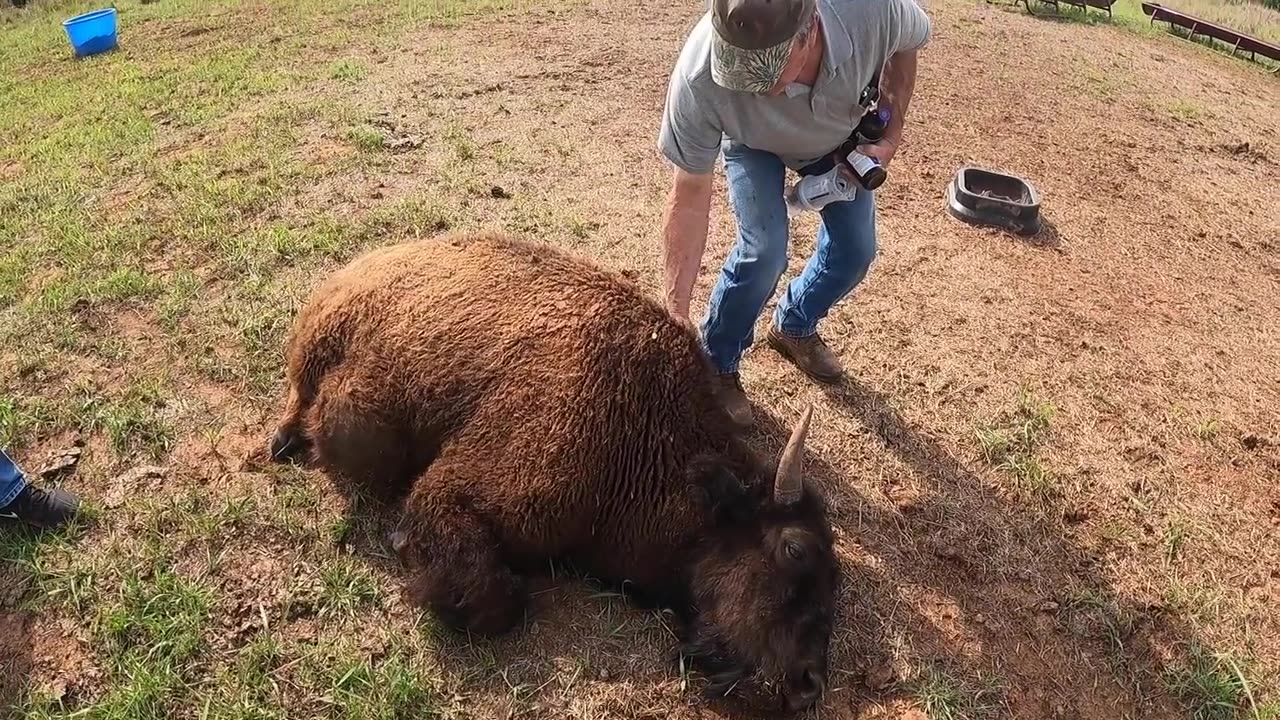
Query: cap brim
{"points": [[753, 71]]}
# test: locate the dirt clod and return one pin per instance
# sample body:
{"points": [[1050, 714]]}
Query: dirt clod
{"points": [[1076, 515], [1253, 441], [405, 142], [132, 482], [881, 676], [61, 463], [950, 553]]}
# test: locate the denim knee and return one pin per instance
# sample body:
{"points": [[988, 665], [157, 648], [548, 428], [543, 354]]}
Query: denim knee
{"points": [[759, 256], [759, 263], [846, 247]]}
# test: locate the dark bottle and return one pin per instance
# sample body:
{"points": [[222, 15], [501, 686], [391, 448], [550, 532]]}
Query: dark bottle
{"points": [[866, 169]]}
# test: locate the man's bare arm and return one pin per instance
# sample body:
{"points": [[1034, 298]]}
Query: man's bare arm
{"points": [[684, 230], [897, 84]]}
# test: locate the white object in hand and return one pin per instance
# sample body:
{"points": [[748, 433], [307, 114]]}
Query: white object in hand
{"points": [[814, 192]]}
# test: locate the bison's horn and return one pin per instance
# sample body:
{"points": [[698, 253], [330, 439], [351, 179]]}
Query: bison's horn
{"points": [[788, 484]]}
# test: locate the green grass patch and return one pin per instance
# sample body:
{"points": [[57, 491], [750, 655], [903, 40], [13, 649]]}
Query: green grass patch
{"points": [[460, 143], [348, 70], [347, 588], [1199, 603], [247, 689], [21, 418], [134, 420], [1174, 537], [1184, 111], [1099, 614], [49, 564], [390, 690], [946, 696], [409, 218], [366, 138], [151, 637], [1207, 430], [341, 529], [1215, 686], [1012, 443]]}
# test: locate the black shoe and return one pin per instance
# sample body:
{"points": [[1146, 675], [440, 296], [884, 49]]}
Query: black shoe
{"points": [[41, 508]]}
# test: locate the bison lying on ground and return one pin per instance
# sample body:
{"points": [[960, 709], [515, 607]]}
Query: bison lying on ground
{"points": [[531, 406]]}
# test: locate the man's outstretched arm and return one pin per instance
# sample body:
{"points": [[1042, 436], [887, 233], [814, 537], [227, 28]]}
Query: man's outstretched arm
{"points": [[684, 236]]}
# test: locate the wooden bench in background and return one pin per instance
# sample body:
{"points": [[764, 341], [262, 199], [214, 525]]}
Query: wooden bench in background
{"points": [[1196, 26]]}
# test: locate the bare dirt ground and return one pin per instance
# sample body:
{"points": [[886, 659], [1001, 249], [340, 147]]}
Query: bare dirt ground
{"points": [[1002, 559]]}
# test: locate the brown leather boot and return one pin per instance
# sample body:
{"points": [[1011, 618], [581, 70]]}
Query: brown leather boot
{"points": [[810, 354], [729, 389]]}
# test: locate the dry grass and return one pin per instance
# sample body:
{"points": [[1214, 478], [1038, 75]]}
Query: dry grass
{"points": [[1053, 473]]}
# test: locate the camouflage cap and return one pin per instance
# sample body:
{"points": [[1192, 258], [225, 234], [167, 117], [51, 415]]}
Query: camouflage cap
{"points": [[752, 40]]}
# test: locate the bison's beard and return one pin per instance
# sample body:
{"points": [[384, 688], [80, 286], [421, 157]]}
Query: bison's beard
{"points": [[727, 674], [723, 670]]}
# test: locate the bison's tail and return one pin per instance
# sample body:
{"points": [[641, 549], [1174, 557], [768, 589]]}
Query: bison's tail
{"points": [[290, 441]]}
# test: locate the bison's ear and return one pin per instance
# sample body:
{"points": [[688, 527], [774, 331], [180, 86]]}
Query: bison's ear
{"points": [[725, 496]]}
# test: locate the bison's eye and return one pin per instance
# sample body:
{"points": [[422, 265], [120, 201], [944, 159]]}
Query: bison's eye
{"points": [[795, 551]]}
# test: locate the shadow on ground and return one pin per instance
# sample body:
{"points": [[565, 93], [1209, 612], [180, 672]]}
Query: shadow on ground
{"points": [[1012, 598], [1049, 237]]}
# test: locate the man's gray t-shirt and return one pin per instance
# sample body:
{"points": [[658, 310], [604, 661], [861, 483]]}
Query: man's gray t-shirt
{"points": [[801, 125]]}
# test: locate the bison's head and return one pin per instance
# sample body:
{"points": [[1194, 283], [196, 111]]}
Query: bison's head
{"points": [[764, 583]]}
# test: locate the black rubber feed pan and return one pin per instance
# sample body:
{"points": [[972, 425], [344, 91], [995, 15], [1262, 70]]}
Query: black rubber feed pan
{"points": [[986, 197]]}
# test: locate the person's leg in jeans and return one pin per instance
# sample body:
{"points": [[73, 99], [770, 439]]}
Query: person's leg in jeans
{"points": [[750, 274], [12, 482], [29, 504], [845, 248]]}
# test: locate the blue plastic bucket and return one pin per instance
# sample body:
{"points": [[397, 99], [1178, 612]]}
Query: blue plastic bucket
{"points": [[92, 32]]}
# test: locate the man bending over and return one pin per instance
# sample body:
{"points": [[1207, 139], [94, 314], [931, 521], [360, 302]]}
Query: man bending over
{"points": [[772, 85]]}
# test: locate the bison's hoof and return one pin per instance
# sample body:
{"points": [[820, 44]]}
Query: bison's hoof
{"points": [[286, 445]]}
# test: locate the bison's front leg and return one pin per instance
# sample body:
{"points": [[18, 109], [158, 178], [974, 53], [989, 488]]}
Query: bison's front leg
{"points": [[458, 572]]}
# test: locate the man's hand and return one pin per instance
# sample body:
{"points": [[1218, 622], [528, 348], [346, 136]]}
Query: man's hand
{"points": [[881, 151], [679, 307], [684, 230]]}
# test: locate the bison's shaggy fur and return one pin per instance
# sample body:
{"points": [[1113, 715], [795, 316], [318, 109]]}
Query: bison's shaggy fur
{"points": [[529, 406]]}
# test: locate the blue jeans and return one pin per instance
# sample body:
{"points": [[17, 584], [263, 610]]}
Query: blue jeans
{"points": [[846, 245], [11, 480]]}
